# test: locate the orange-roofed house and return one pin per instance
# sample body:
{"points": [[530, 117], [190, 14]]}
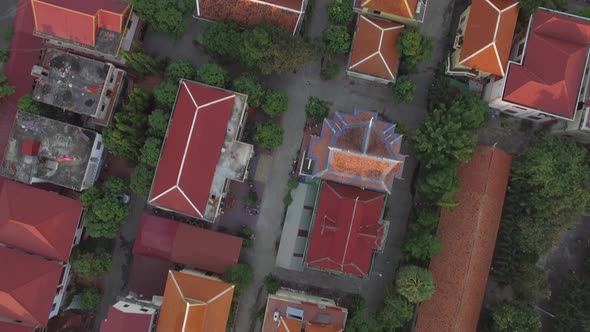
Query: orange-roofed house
{"points": [[97, 27], [373, 54], [357, 150], [294, 312], [468, 235], [484, 39], [402, 11], [194, 302], [287, 14]]}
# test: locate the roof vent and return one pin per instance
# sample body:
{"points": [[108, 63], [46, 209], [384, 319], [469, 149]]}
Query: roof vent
{"points": [[276, 316]]}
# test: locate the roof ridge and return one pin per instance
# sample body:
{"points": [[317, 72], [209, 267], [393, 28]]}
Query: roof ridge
{"points": [[352, 219], [20, 305], [220, 294], [410, 14]]}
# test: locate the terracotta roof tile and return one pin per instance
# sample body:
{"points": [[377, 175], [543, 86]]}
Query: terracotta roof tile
{"points": [[468, 236], [488, 35], [373, 48], [401, 8]]}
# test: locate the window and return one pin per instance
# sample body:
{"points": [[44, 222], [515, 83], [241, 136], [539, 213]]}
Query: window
{"points": [[297, 255], [303, 233], [53, 306], [462, 20], [63, 273], [520, 108], [510, 111], [144, 310], [98, 145], [125, 306], [532, 117]]}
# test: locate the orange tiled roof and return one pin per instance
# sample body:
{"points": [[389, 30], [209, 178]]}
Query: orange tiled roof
{"points": [[401, 8], [468, 236], [194, 303], [373, 48], [488, 35]]}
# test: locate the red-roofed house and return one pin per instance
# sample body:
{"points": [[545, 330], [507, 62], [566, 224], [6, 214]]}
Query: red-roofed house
{"points": [[294, 312], [547, 78], [468, 235], [347, 229], [35, 245], [287, 14], [129, 316], [192, 246], [373, 55], [484, 38], [204, 153], [98, 27], [403, 11]]}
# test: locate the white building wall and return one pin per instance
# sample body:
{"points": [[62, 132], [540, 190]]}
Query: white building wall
{"points": [[60, 291]]}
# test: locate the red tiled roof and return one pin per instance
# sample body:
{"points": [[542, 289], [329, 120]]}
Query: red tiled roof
{"points": [[77, 20], [284, 13], [18, 67], [468, 236], [47, 230], [346, 230], [28, 290], [148, 276], [488, 35], [401, 8], [14, 327], [189, 157], [185, 244], [373, 48], [119, 321], [551, 73]]}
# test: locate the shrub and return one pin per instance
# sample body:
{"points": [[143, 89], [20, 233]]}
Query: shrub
{"points": [[292, 183], [275, 103], [89, 298], [268, 135], [5, 88], [288, 199], [403, 90], [27, 104], [394, 313], [251, 199], [179, 70], [340, 12], [414, 283], [143, 63], [330, 70], [91, 265], [272, 283], [212, 74], [337, 39], [4, 54], [317, 109], [240, 275]]}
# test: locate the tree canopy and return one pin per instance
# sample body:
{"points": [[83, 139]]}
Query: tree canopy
{"points": [[395, 311], [158, 123], [91, 265], [212, 74], [250, 85], [5, 88], [143, 63], [275, 103], [340, 12], [414, 48], [421, 243], [241, 275], [27, 104], [515, 317], [272, 283], [105, 212], [165, 94], [403, 89], [180, 69], [89, 298], [572, 301], [141, 180], [337, 39], [268, 135], [164, 15], [150, 152], [414, 283], [317, 109]]}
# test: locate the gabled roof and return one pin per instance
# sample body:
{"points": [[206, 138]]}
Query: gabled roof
{"points": [[189, 157], [48, 229], [27, 287], [359, 150], [120, 321], [192, 246], [347, 228], [488, 35], [194, 303], [373, 48], [468, 236], [285, 13], [401, 8], [550, 75], [77, 21]]}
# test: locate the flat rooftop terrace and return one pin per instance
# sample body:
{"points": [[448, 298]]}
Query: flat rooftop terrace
{"points": [[71, 82], [45, 150]]}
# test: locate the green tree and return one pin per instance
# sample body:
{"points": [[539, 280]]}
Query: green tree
{"points": [[272, 283], [158, 123], [572, 302], [165, 94], [275, 103], [515, 317], [250, 85], [110, 209], [403, 89], [180, 69], [164, 15], [330, 69], [440, 185], [212, 74], [268, 135], [317, 109], [143, 63], [27, 104], [91, 265], [4, 54], [150, 152], [240, 275], [421, 244], [340, 12], [414, 48], [337, 39], [5, 88], [141, 180], [414, 283], [90, 195], [114, 186], [221, 39], [395, 311], [89, 298], [98, 228], [356, 310]]}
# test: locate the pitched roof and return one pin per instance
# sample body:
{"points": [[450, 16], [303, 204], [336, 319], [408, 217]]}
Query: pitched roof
{"points": [[488, 35], [189, 157], [468, 236], [284, 13], [359, 150], [120, 321], [78, 20], [148, 276], [401, 8], [185, 244], [194, 303], [27, 292], [346, 230], [14, 327], [46, 230], [373, 48], [550, 75]]}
